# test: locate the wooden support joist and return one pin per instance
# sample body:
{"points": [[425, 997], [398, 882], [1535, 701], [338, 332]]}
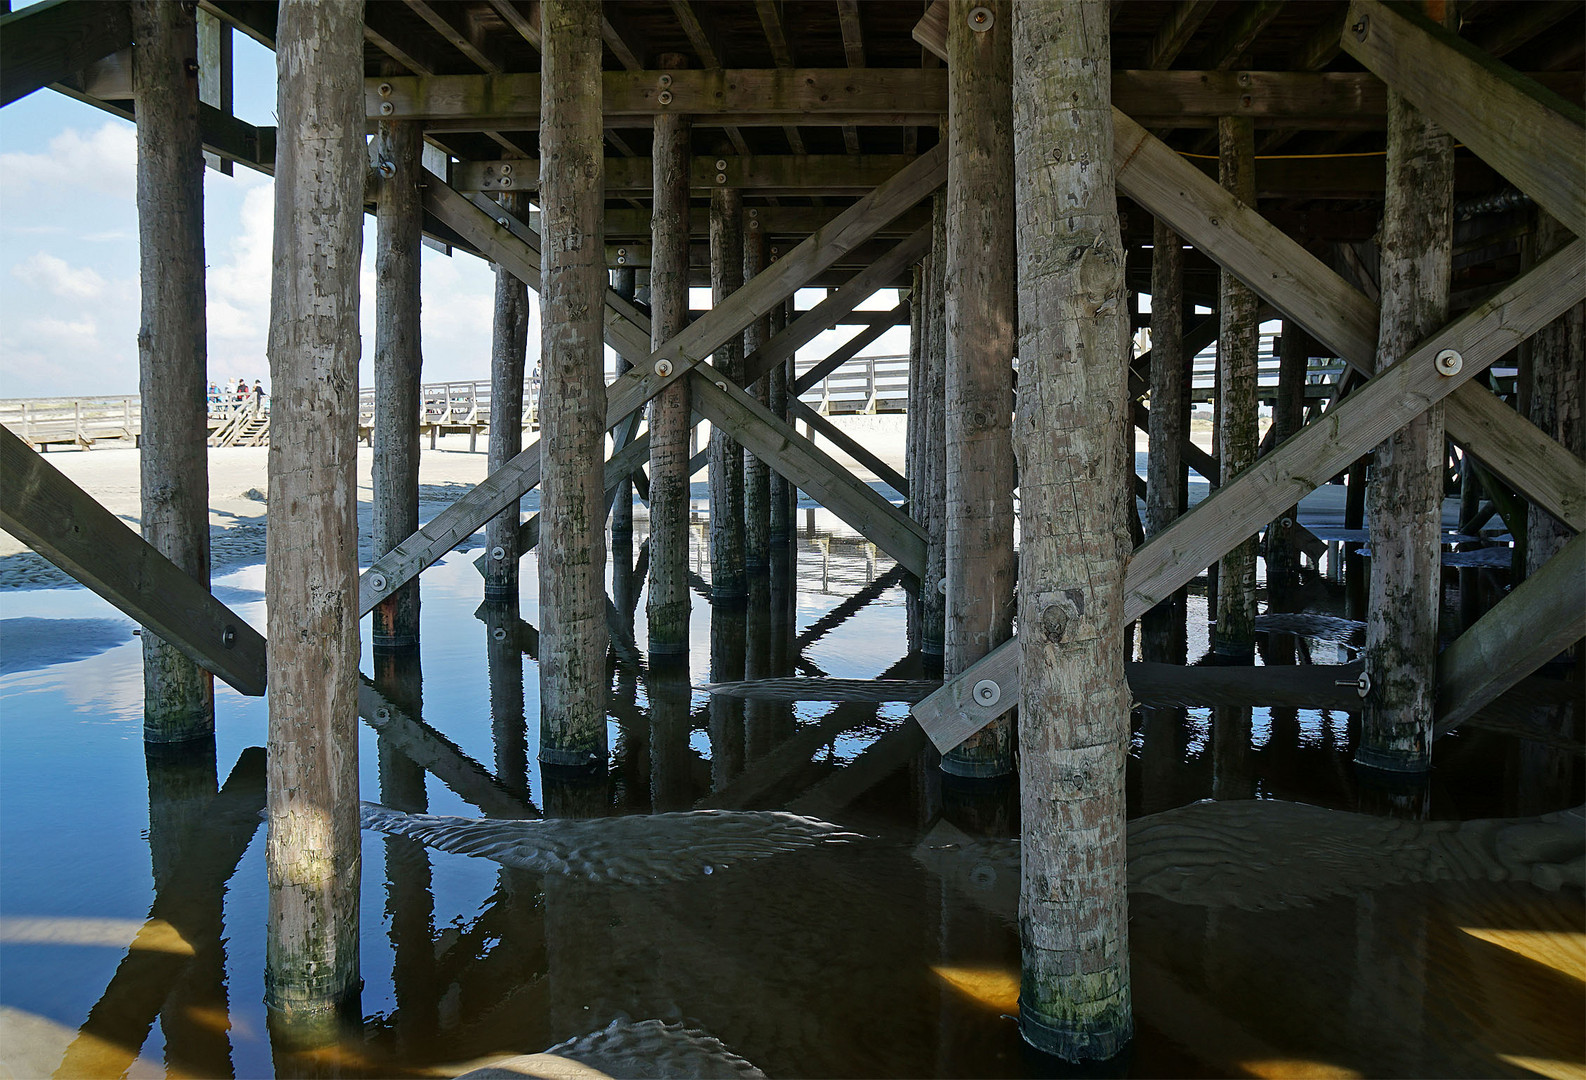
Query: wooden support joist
{"points": [[849, 445], [63, 523], [674, 360], [777, 222], [428, 748], [810, 469], [878, 96], [1543, 616], [1529, 134], [766, 174], [1303, 463], [53, 41]]}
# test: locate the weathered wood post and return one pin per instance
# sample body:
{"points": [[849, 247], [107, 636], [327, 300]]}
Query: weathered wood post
{"points": [[756, 473], [667, 606], [509, 343], [914, 447], [779, 387], [1288, 416], [1238, 435], [397, 370], [726, 455], [573, 636], [311, 554], [1162, 629], [1404, 500], [625, 283], [1557, 394], [178, 695], [981, 311], [933, 591], [1074, 999]]}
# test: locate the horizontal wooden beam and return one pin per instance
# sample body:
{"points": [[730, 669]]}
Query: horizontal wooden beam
{"points": [[63, 523], [761, 174], [811, 469], [1519, 127], [650, 376], [1300, 465], [49, 42], [1542, 617], [778, 222], [755, 97]]}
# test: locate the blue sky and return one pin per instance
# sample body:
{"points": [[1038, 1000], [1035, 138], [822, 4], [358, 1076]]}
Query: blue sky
{"points": [[69, 296]]}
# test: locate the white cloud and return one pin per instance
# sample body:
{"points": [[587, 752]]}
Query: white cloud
{"points": [[103, 161], [59, 277]]}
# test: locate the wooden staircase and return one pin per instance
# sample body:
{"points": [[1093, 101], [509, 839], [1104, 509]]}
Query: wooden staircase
{"points": [[243, 427]]}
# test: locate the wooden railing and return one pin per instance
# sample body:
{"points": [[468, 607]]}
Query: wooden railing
{"points": [[83, 421], [865, 384], [452, 407]]}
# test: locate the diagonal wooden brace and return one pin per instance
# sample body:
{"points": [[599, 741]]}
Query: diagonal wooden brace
{"points": [[1304, 462], [680, 354], [811, 469], [63, 523], [1542, 617], [1531, 135]]}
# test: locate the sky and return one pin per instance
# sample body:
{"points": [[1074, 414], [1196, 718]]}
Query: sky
{"points": [[69, 292]]}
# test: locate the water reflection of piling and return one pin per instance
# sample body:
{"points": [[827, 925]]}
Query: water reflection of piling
{"points": [[728, 629], [508, 725], [671, 757]]}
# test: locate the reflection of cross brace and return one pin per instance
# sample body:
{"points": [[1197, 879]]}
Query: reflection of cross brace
{"points": [[771, 439]]}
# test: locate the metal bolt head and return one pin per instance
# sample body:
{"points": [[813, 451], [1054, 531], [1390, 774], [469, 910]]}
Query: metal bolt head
{"points": [[721, 164], [981, 19], [622, 251], [665, 81], [721, 385], [498, 553], [721, 178], [663, 367], [664, 97], [228, 637], [387, 169], [385, 89], [382, 714], [506, 168], [986, 693], [1449, 362], [377, 583], [386, 108], [1361, 28], [499, 633]]}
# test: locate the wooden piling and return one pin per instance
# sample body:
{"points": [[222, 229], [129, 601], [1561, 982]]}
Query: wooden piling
{"points": [[1074, 999], [509, 342], [178, 695], [572, 562], [726, 455], [1162, 629], [933, 591], [311, 558], [756, 473], [667, 606], [397, 370], [914, 439], [1404, 500], [1288, 416], [981, 299], [1557, 396], [779, 383], [1238, 435], [625, 283]]}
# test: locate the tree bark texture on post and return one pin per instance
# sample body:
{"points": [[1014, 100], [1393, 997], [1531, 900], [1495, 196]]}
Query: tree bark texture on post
{"points": [[509, 344], [726, 455], [626, 285], [1162, 629], [914, 446], [756, 473], [668, 604], [1074, 999], [1404, 499], [311, 553], [1238, 346], [178, 695], [572, 562], [933, 594], [981, 298], [398, 363], [1558, 394]]}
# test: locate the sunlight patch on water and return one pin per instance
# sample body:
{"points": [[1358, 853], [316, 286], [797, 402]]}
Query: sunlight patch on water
{"points": [[1563, 951], [156, 935], [995, 988]]}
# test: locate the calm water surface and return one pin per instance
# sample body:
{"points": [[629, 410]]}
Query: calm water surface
{"points": [[132, 898]]}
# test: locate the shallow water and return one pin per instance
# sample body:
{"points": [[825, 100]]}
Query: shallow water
{"points": [[132, 902]]}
